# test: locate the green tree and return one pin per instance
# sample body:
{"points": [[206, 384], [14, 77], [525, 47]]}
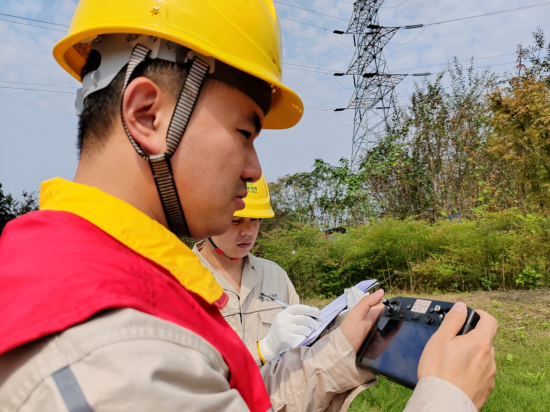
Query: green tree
{"points": [[433, 159], [521, 123], [10, 208], [328, 196]]}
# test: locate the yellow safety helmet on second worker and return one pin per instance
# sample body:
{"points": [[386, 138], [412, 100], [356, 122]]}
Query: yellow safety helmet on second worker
{"points": [[257, 202]]}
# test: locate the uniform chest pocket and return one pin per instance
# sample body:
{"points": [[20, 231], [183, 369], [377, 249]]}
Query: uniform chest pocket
{"points": [[267, 316]]}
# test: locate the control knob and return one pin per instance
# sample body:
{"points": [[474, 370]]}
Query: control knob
{"points": [[391, 307]]}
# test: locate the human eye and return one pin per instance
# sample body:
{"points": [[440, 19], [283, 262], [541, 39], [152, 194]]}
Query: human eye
{"points": [[245, 133]]}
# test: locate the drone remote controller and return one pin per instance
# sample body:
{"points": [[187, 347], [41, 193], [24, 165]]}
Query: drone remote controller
{"points": [[394, 344]]}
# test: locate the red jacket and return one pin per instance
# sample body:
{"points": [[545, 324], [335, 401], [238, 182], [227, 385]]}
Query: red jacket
{"points": [[57, 270]]}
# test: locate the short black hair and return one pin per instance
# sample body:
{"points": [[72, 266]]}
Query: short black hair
{"points": [[103, 107]]}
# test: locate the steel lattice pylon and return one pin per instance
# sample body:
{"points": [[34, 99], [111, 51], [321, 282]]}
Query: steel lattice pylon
{"points": [[374, 98]]}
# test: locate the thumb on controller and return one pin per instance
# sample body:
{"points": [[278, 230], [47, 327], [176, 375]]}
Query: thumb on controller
{"points": [[453, 322]]}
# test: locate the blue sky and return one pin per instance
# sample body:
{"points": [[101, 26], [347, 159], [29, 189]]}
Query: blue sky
{"points": [[38, 129]]}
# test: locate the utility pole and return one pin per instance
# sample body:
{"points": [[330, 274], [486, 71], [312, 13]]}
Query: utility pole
{"points": [[374, 99]]}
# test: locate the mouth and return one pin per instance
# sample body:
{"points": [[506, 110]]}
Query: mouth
{"points": [[240, 203], [244, 245], [239, 199]]}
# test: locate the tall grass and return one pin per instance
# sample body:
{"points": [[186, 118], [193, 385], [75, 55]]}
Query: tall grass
{"points": [[500, 250]]}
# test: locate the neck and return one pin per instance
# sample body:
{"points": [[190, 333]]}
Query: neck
{"points": [[231, 270], [120, 172]]}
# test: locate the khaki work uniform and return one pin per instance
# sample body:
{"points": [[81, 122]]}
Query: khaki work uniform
{"points": [[125, 360], [323, 377], [248, 313]]}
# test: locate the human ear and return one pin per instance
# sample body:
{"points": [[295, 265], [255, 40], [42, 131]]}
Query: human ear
{"points": [[147, 111]]}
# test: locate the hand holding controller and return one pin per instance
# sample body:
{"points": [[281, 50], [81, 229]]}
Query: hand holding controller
{"points": [[467, 361], [455, 352]]}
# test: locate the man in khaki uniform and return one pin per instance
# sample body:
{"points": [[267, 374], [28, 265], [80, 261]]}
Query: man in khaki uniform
{"points": [[267, 328], [261, 322], [103, 307]]}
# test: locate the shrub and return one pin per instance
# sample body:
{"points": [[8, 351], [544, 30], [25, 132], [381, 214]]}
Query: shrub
{"points": [[496, 250]]}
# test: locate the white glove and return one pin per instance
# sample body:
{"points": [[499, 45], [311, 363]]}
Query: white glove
{"points": [[353, 296], [290, 327]]}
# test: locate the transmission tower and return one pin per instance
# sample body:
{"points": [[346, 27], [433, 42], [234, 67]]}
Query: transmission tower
{"points": [[374, 99]]}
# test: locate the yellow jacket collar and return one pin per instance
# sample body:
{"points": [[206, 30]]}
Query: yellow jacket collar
{"points": [[135, 230]]}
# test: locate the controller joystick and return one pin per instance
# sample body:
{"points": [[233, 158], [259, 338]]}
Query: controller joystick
{"points": [[391, 307]]}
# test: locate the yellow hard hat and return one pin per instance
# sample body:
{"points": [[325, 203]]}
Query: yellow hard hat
{"points": [[244, 34], [257, 202]]}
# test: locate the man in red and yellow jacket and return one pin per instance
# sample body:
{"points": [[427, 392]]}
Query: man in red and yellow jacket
{"points": [[103, 307]]}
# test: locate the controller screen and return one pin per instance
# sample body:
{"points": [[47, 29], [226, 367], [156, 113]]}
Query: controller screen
{"points": [[395, 348]]}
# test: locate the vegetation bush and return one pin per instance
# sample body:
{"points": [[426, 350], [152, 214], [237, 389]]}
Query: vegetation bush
{"points": [[501, 250]]}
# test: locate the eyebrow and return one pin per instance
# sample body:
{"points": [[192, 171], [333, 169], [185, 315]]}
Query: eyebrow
{"points": [[255, 120]]}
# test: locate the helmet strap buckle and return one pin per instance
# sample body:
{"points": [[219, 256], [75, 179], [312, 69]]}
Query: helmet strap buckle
{"points": [[221, 252]]}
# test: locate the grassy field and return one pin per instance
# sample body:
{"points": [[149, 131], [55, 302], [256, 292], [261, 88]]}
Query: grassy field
{"points": [[522, 347]]}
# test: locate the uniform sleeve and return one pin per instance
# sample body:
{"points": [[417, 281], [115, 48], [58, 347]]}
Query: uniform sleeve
{"points": [[145, 375], [436, 394], [310, 378]]}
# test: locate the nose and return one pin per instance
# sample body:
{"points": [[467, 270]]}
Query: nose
{"points": [[246, 228], [253, 170]]}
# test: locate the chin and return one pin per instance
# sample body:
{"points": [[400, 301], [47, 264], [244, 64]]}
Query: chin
{"points": [[245, 254], [208, 229], [240, 255]]}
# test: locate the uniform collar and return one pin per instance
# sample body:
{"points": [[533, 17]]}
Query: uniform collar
{"points": [[135, 230], [252, 261]]}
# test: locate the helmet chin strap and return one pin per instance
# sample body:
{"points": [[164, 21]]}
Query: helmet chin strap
{"points": [[219, 251], [160, 163]]}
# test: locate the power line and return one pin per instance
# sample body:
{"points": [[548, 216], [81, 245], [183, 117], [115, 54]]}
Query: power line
{"points": [[493, 65], [307, 24], [36, 90], [547, 3], [343, 44], [403, 44], [330, 71], [311, 11], [341, 85], [393, 7], [307, 70], [309, 67], [37, 84], [38, 21], [33, 25], [459, 61], [345, 124]]}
